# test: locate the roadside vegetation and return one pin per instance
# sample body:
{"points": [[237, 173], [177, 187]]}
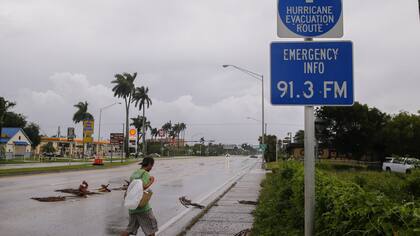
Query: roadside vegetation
{"points": [[348, 202]]}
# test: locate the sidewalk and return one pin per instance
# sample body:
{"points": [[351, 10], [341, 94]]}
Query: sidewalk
{"points": [[228, 216]]}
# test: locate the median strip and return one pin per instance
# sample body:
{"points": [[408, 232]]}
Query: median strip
{"points": [[55, 169]]}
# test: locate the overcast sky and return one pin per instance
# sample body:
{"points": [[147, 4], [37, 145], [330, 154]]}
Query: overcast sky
{"points": [[55, 53]]}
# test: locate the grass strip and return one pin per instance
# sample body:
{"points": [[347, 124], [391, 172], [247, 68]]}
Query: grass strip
{"points": [[52, 169]]}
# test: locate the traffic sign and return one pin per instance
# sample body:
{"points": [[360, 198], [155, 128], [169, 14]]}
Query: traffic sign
{"points": [[312, 73], [88, 127], [263, 147], [70, 133], [310, 19], [116, 138], [88, 139], [133, 133]]}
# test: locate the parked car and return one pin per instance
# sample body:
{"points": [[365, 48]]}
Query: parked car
{"points": [[401, 165], [253, 156]]}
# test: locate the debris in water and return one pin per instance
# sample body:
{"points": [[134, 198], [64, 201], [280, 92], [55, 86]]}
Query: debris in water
{"points": [[82, 191], [124, 187], [104, 188], [186, 202], [49, 199], [248, 202]]}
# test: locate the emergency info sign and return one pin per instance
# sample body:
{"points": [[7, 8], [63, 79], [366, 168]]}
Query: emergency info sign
{"points": [[310, 19], [312, 73]]}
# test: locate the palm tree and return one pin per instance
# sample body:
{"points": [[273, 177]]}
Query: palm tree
{"points": [[167, 127], [202, 140], [176, 131], [154, 133], [124, 88], [142, 100], [5, 106], [183, 127], [81, 115], [141, 124]]}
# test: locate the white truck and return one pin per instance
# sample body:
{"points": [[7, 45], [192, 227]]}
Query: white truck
{"points": [[401, 165]]}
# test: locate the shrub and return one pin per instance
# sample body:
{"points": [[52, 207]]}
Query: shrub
{"points": [[346, 206]]}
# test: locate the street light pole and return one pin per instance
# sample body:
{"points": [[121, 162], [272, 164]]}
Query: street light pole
{"points": [[100, 120], [261, 78]]}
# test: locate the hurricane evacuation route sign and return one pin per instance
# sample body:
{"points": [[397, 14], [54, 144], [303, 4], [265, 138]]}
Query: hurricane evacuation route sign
{"points": [[312, 73], [310, 19]]}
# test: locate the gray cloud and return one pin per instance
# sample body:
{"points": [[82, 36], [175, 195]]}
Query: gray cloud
{"points": [[56, 53]]}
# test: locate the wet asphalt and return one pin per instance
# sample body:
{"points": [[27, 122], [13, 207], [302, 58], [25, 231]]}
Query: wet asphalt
{"points": [[105, 214]]}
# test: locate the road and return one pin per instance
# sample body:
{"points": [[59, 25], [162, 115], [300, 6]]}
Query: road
{"points": [[104, 214]]}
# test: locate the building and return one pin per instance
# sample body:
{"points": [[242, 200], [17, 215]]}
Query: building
{"points": [[74, 147], [15, 143], [297, 151]]}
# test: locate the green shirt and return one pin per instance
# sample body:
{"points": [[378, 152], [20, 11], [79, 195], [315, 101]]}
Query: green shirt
{"points": [[138, 174]]}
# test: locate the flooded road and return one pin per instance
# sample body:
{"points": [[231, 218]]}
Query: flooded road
{"points": [[104, 214]]}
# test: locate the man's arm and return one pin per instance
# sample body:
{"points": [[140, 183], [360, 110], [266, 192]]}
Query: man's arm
{"points": [[152, 180]]}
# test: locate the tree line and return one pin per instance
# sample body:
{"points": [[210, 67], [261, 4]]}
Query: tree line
{"points": [[363, 132]]}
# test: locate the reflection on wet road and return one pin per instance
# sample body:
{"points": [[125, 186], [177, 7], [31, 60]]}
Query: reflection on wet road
{"points": [[104, 214]]}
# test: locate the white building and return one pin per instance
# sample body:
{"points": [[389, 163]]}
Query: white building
{"points": [[15, 143]]}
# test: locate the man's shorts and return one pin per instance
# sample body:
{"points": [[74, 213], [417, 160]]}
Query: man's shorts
{"points": [[145, 220]]}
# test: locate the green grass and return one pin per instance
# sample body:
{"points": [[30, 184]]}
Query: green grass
{"points": [[37, 170]]}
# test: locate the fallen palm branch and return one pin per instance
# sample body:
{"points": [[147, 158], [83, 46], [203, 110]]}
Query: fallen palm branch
{"points": [[186, 203], [245, 232], [49, 199], [248, 202], [104, 188], [124, 187], [82, 191]]}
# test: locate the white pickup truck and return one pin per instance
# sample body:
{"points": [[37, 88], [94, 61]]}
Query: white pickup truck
{"points": [[401, 165]]}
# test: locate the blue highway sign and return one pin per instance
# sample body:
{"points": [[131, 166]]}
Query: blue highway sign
{"points": [[312, 73], [310, 18]]}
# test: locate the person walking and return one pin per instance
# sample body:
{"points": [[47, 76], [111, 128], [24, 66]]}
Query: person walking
{"points": [[142, 216]]}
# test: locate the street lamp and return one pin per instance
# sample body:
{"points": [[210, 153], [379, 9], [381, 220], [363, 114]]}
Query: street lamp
{"points": [[100, 120], [260, 78]]}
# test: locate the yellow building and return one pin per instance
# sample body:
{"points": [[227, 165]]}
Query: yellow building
{"points": [[74, 147]]}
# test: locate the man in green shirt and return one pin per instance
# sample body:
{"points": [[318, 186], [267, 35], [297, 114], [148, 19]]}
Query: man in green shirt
{"points": [[142, 216]]}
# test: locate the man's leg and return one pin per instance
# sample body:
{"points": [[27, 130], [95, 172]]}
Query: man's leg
{"points": [[148, 223], [132, 226], [124, 233]]}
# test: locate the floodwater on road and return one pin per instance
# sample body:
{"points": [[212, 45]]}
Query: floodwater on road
{"points": [[104, 214]]}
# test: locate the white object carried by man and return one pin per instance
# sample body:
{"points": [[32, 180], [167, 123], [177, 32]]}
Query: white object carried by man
{"points": [[136, 196]]}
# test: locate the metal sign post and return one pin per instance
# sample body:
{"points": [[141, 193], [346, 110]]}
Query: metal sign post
{"points": [[311, 73], [309, 168]]}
